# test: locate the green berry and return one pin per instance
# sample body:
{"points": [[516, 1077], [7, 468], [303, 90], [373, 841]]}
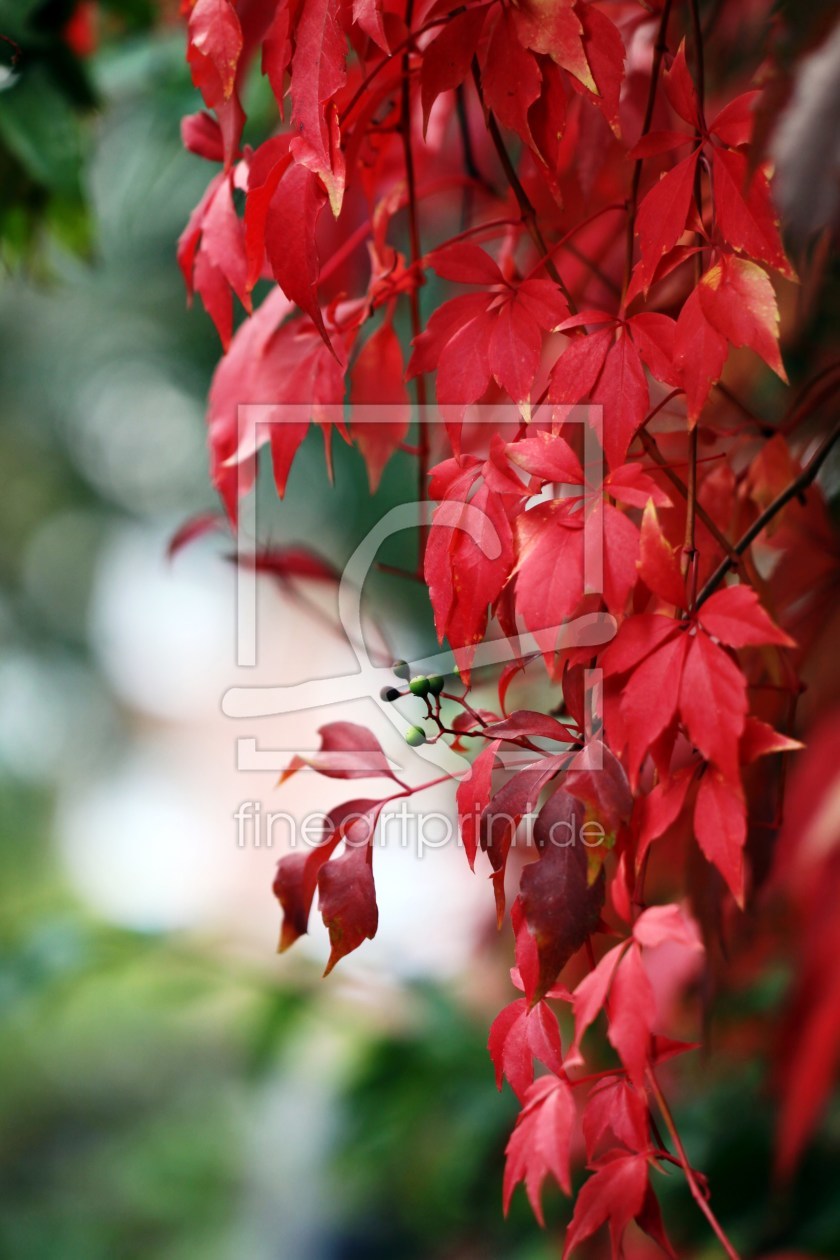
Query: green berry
{"points": [[419, 685], [415, 736], [436, 684], [401, 669], [390, 694]]}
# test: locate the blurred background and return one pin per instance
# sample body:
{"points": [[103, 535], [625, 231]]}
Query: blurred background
{"points": [[169, 1086]]}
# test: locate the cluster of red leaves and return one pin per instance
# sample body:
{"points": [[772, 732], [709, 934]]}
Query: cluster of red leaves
{"points": [[623, 273]]}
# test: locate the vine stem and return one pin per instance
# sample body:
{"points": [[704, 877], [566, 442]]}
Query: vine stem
{"points": [[405, 46], [690, 551], [659, 50], [529, 214], [804, 405], [796, 487], [690, 1175], [677, 482], [414, 296]]}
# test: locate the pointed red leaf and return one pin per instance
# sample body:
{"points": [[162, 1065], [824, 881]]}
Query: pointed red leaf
{"points": [[713, 703], [744, 209], [615, 1193], [659, 567], [720, 826], [738, 299], [541, 1142], [561, 907], [377, 378], [735, 616], [662, 217], [520, 1034]]}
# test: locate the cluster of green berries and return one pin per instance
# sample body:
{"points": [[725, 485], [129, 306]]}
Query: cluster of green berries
{"points": [[419, 685]]}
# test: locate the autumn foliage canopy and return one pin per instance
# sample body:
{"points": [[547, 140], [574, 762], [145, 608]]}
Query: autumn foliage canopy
{"points": [[563, 210]]}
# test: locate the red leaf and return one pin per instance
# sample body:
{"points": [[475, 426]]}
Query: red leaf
{"points": [[574, 374], [318, 73], [292, 214], [622, 390], [446, 60], [465, 263], [596, 778], [541, 1142], [713, 703], [549, 572], [469, 556], [367, 14], [637, 637], [526, 722], [250, 372], [738, 299], [632, 1010], [294, 561], [660, 809], [346, 893], [520, 1034], [378, 377], [215, 43], [513, 802], [473, 796], [620, 545], [633, 487], [191, 529], [561, 908], [659, 925], [658, 675], [214, 48], [514, 351], [814, 1059], [615, 1193], [211, 254], [735, 616], [297, 873], [201, 135], [654, 334], [656, 142], [734, 124], [547, 457], [658, 564], [662, 217], [744, 210], [348, 751], [510, 77], [590, 996], [277, 52], [680, 90], [555, 29], [759, 739], [699, 353], [604, 49], [617, 1112], [721, 828]]}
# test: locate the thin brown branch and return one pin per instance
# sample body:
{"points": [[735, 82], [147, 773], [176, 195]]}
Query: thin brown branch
{"points": [[763, 426], [803, 405], [677, 482], [529, 214], [796, 487], [414, 295], [659, 49], [691, 1177], [690, 556]]}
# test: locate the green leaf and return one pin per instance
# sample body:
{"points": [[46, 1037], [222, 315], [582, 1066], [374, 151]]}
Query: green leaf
{"points": [[38, 126]]}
